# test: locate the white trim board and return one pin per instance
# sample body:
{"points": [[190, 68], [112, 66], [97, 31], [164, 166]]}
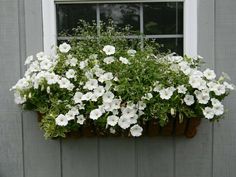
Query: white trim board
{"points": [[190, 23]]}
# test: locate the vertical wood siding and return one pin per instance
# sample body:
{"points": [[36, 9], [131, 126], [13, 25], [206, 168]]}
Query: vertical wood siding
{"points": [[25, 153]]}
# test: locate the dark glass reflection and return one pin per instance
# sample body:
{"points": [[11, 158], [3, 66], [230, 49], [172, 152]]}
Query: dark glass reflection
{"points": [[121, 14], [171, 45], [161, 18], [68, 15]]}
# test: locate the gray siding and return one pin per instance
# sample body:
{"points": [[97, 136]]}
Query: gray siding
{"points": [[25, 153]]}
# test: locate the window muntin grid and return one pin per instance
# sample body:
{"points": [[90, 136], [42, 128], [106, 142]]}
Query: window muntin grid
{"points": [[166, 29]]}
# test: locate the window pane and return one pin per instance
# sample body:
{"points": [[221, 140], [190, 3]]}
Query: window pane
{"points": [[161, 18], [68, 15], [171, 45], [121, 14], [180, 18]]}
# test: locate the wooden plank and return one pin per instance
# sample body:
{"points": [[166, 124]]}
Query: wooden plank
{"points": [[193, 157], [224, 161], [80, 157], [117, 157], [41, 157], [11, 160], [155, 157]]}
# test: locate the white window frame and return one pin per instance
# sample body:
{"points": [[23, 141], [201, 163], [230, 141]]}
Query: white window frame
{"points": [[190, 22]]}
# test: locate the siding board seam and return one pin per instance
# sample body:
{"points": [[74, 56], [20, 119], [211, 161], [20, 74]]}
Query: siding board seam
{"points": [[22, 53], [214, 66]]}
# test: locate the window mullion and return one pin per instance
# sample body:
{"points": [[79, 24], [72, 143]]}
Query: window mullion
{"points": [[141, 24]]}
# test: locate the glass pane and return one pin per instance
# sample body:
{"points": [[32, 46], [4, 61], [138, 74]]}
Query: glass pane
{"points": [[180, 18], [171, 45], [121, 14], [68, 15], [161, 18]]}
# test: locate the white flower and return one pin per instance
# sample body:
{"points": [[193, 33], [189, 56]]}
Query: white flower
{"points": [[91, 84], [182, 89], [219, 89], [70, 115], [124, 122], [22, 84], [209, 74], [64, 48], [124, 60], [74, 111], [73, 61], [89, 74], [131, 52], [141, 105], [106, 77], [109, 50], [108, 97], [196, 73], [80, 119], [218, 109], [64, 83], [87, 96], [112, 130], [99, 91], [61, 120], [95, 114], [136, 130], [127, 112], [195, 82], [134, 119], [40, 56], [83, 64], [46, 64], [99, 72], [166, 93], [29, 59], [184, 67], [147, 96], [203, 98], [70, 74], [176, 58], [189, 100], [208, 113], [112, 120], [108, 60], [228, 86], [115, 104], [52, 78], [18, 98], [215, 102], [211, 85]]}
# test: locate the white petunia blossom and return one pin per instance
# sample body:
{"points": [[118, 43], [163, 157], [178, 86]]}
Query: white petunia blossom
{"points": [[195, 82], [166, 93], [83, 64], [46, 64], [124, 60], [203, 98], [109, 60], [40, 56], [228, 86], [87, 96], [112, 120], [219, 89], [208, 113], [131, 52], [70, 74], [134, 119], [73, 61], [61, 120], [136, 130], [147, 96], [80, 119], [18, 98], [115, 104], [124, 122], [182, 89], [99, 91], [52, 78], [29, 59], [218, 109], [95, 114], [109, 50], [70, 115], [127, 112], [141, 105], [78, 97], [64, 48], [189, 100], [108, 97], [209, 74], [91, 84], [64, 83]]}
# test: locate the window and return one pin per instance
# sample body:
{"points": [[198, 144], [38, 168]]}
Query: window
{"points": [[169, 22]]}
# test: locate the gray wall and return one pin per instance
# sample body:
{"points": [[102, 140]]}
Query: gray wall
{"points": [[25, 153]]}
